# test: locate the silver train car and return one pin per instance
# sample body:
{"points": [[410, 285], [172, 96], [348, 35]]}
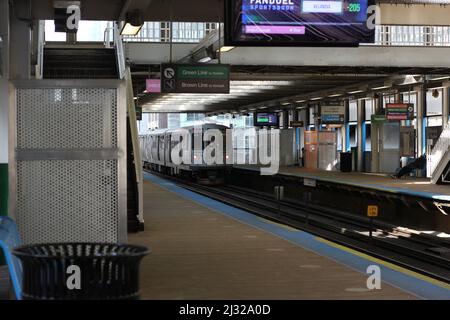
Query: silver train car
{"points": [[157, 146]]}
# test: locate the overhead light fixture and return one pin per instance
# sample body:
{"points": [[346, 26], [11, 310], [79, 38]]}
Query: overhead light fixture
{"points": [[226, 49], [440, 78], [317, 98], [335, 95], [356, 91], [286, 103], [205, 59], [133, 23], [300, 101], [380, 88]]}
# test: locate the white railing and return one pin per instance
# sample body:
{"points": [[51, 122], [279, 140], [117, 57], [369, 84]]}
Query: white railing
{"points": [[179, 32], [385, 35], [393, 35], [39, 72], [439, 150], [117, 44]]}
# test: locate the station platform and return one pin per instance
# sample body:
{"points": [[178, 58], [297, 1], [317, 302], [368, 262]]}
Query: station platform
{"points": [[410, 186], [204, 249]]}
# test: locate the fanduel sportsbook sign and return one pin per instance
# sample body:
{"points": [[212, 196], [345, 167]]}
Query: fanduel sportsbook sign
{"points": [[183, 78]]}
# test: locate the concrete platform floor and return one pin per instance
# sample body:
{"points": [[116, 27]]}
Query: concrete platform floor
{"points": [[198, 253], [4, 283]]}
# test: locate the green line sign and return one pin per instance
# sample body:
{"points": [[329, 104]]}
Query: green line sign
{"points": [[184, 78]]}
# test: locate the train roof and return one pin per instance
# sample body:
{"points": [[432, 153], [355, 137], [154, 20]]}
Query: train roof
{"points": [[203, 126]]}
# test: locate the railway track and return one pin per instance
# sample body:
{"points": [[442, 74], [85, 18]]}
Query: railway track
{"points": [[425, 254]]}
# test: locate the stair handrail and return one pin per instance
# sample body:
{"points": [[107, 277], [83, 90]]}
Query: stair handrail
{"points": [[39, 71], [131, 108], [118, 43], [107, 37], [439, 150], [118, 46]]}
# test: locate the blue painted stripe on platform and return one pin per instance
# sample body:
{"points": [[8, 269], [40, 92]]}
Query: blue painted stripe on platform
{"points": [[416, 286]]}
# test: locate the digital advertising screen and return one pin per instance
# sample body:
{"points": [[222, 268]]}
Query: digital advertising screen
{"points": [[298, 23], [266, 119]]}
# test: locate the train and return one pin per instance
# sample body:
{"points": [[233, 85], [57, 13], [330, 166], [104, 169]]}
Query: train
{"points": [[157, 150]]}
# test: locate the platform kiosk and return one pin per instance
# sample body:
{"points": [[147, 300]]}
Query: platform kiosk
{"points": [[321, 150], [390, 140]]}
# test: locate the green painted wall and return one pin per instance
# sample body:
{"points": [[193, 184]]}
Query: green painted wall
{"points": [[3, 196]]}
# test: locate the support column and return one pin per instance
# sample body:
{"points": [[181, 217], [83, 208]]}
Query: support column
{"points": [[285, 119], [378, 105], [4, 105], [361, 134], [445, 106], [345, 133], [421, 105], [20, 41]]}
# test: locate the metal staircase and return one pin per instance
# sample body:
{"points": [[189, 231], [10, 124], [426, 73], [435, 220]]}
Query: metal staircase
{"points": [[80, 63], [438, 160], [102, 61]]}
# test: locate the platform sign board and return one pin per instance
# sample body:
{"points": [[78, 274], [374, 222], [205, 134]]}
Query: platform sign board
{"points": [[399, 111], [378, 118], [153, 86], [184, 78], [310, 183], [372, 211], [297, 124], [333, 114]]}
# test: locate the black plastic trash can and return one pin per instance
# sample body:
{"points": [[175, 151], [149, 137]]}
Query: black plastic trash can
{"points": [[346, 162], [80, 271]]}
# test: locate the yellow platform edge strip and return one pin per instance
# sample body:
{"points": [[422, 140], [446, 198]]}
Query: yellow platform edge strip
{"points": [[386, 264]]}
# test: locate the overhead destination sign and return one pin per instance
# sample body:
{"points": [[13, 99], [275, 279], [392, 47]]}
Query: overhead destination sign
{"points": [[183, 78], [399, 111], [299, 23], [333, 114]]}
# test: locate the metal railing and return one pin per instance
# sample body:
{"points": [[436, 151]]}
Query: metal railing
{"points": [[39, 71], [393, 35], [117, 44], [385, 35], [179, 32], [439, 150]]}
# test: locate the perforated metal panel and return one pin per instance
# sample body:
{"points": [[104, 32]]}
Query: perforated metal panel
{"points": [[67, 162]]}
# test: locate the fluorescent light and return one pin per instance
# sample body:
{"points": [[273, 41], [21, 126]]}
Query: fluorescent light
{"points": [[300, 101], [335, 95], [226, 49], [205, 59], [317, 98], [382, 87], [286, 103], [356, 91], [440, 78]]}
